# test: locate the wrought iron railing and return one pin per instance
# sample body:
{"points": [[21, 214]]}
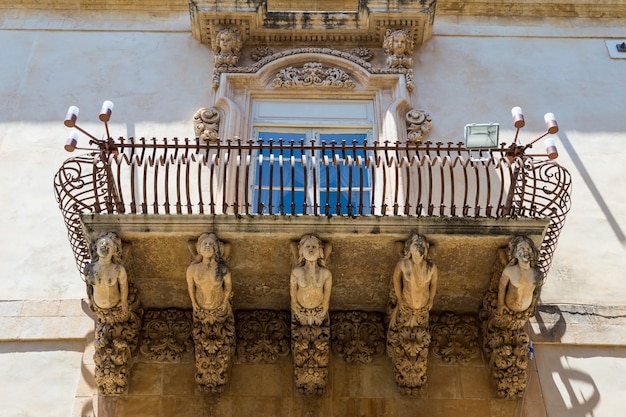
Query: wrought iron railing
{"points": [[236, 177]]}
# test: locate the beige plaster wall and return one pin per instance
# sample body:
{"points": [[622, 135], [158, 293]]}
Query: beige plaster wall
{"points": [[157, 75]]}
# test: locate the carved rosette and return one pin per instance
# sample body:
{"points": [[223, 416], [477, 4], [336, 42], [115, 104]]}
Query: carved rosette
{"points": [[166, 335], [263, 336], [418, 124], [312, 74], [357, 336], [408, 339], [206, 124], [310, 346], [116, 342], [214, 339], [505, 342], [261, 52], [454, 338]]}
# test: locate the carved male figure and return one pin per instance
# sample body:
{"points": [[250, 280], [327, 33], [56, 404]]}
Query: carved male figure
{"points": [[208, 277], [107, 282], [311, 283], [520, 277]]}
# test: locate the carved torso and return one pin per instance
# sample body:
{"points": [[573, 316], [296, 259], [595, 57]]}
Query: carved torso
{"points": [[416, 278], [104, 278], [209, 283], [310, 282], [521, 286]]}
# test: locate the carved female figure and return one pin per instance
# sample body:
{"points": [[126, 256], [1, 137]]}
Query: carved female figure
{"points": [[415, 276], [107, 282], [520, 277], [311, 283], [208, 277]]}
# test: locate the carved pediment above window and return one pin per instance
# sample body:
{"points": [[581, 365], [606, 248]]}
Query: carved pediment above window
{"points": [[312, 74], [348, 22]]}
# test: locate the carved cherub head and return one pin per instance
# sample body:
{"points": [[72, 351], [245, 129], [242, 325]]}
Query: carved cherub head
{"points": [[523, 248], [398, 43], [311, 246], [107, 244], [228, 42]]}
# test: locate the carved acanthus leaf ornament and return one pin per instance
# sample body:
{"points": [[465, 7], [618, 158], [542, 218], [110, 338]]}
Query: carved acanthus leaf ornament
{"points": [[313, 74]]}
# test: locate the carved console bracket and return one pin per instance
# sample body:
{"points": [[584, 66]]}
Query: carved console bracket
{"points": [[206, 124], [507, 306], [115, 301]]}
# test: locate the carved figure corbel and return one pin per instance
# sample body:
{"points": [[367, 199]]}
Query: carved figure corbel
{"points": [[206, 124], [398, 45], [418, 124], [310, 287], [412, 296], [115, 301], [227, 47], [507, 306], [210, 289]]}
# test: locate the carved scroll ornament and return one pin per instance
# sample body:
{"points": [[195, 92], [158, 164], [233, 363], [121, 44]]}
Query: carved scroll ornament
{"points": [[418, 124], [357, 336], [166, 335], [206, 124], [263, 336], [454, 338], [312, 74]]}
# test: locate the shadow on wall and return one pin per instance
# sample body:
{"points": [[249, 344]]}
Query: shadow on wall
{"points": [[567, 392]]}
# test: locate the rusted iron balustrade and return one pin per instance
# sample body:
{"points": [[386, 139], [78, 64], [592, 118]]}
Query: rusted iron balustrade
{"points": [[139, 176]]}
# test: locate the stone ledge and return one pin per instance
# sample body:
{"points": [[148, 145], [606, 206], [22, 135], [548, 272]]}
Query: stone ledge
{"points": [[579, 324], [537, 8]]}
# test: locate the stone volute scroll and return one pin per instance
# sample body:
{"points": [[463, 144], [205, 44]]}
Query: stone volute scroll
{"points": [[210, 289], [115, 301], [411, 299], [206, 124], [398, 45], [310, 287], [418, 124], [507, 306]]}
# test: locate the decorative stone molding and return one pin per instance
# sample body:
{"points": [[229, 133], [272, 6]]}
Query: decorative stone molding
{"points": [[365, 54], [259, 24], [206, 124], [454, 339], [312, 74], [261, 52], [507, 306], [408, 337], [310, 287], [398, 46], [210, 290], [118, 314], [227, 47], [166, 335], [263, 335], [357, 336], [418, 124]]}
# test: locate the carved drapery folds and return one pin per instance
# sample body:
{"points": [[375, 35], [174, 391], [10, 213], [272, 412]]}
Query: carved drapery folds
{"points": [[411, 298], [507, 306], [263, 336], [166, 335], [357, 336], [310, 287], [418, 124], [118, 314], [312, 74], [210, 290], [206, 124], [398, 45]]}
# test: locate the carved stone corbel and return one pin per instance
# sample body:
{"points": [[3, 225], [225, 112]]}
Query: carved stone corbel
{"points": [[310, 286], [206, 124], [507, 306], [115, 301], [418, 124], [210, 290], [411, 298]]}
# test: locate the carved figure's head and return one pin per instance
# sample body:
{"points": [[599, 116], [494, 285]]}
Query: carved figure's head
{"points": [[228, 42], [311, 249], [208, 246], [108, 245], [398, 43], [522, 249], [416, 243]]}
